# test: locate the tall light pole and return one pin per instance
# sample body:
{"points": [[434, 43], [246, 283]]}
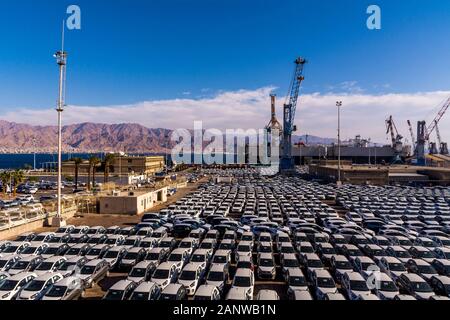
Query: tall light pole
{"points": [[339, 105], [61, 60]]}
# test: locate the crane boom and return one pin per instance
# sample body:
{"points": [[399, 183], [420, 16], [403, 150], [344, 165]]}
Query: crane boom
{"points": [[290, 107], [438, 118]]}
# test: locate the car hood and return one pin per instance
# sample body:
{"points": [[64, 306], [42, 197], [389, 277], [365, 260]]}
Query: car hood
{"points": [[424, 295], [327, 290], [26, 295], [2, 293], [266, 269], [215, 283], [136, 279], [387, 294]]}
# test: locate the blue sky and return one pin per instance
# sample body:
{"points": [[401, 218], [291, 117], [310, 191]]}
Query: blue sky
{"points": [[133, 51]]}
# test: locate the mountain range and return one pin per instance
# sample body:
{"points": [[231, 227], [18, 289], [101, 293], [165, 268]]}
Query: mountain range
{"points": [[94, 137]]}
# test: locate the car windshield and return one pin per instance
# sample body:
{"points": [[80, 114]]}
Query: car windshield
{"points": [[73, 251], [114, 295], [111, 254], [67, 266], [244, 265], [244, 248], [87, 270], [215, 276], [185, 245], [297, 281], [403, 254], [161, 274], [140, 296], [198, 258], [426, 269], [315, 264], [359, 285], [10, 249], [29, 250], [8, 285], [3, 263], [20, 265], [44, 266], [388, 286], [138, 272], [56, 292], [366, 265], [111, 241], [291, 263], [131, 256], [152, 257], [421, 287], [266, 262], [188, 275], [325, 283], [169, 297], [94, 252], [397, 267], [242, 282], [50, 251], [427, 254], [175, 257], [343, 265], [35, 285], [220, 259]]}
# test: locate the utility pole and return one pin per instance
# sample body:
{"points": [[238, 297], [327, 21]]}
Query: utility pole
{"points": [[339, 105], [61, 60]]}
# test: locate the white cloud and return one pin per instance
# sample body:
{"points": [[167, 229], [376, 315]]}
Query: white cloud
{"points": [[316, 115]]}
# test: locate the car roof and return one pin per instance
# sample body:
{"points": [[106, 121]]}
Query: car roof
{"points": [[354, 276], [295, 272], [47, 276], [205, 290], [413, 277], [145, 286], [172, 288], [243, 273], [191, 267], [121, 285], [94, 262]]}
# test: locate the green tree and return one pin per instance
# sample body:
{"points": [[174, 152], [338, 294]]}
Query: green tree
{"points": [[78, 162], [108, 162], [5, 177], [93, 164], [18, 177]]}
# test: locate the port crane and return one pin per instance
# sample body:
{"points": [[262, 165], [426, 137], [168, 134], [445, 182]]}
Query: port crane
{"points": [[396, 138], [424, 133], [413, 138], [287, 161]]}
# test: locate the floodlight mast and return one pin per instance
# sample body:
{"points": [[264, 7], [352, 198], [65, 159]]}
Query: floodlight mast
{"points": [[61, 60]]}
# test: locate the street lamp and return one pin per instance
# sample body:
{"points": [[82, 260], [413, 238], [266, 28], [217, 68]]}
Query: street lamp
{"points": [[339, 105], [61, 60]]}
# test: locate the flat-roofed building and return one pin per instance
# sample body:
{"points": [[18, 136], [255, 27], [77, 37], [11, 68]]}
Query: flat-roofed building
{"points": [[131, 203], [138, 165]]}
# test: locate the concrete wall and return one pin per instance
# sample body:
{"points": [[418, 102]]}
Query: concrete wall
{"points": [[31, 226]]}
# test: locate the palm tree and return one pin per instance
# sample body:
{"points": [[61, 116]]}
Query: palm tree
{"points": [[78, 162], [93, 163], [109, 159], [5, 178], [18, 177]]}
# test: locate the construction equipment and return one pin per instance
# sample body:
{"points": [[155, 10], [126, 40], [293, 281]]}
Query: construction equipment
{"points": [[274, 124], [424, 133], [443, 147], [396, 139], [287, 164], [413, 138]]}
